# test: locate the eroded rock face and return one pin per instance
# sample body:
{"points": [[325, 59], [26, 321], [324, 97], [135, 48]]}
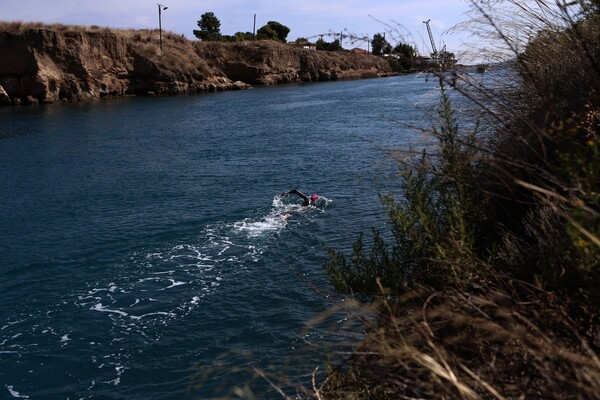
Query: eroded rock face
{"points": [[269, 63], [46, 66]]}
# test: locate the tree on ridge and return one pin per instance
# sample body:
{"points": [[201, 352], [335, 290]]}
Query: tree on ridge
{"points": [[210, 27], [273, 30]]}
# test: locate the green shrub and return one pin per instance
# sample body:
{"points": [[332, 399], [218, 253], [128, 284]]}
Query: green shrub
{"points": [[435, 227]]}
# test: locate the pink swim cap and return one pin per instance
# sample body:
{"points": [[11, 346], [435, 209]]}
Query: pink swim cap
{"points": [[314, 197]]}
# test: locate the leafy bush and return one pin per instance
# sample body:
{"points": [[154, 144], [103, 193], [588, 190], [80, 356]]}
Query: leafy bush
{"points": [[273, 30], [435, 227], [548, 164], [328, 46]]}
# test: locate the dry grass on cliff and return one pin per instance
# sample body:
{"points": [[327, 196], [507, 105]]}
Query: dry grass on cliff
{"points": [[136, 35], [178, 54], [20, 26]]}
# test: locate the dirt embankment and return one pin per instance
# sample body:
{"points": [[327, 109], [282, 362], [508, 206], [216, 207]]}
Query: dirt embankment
{"points": [[47, 65]]}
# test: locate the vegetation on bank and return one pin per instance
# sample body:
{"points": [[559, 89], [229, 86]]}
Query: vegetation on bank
{"points": [[210, 30], [402, 57], [488, 287]]}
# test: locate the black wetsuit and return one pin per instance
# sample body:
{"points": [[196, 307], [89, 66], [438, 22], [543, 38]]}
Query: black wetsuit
{"points": [[300, 194]]}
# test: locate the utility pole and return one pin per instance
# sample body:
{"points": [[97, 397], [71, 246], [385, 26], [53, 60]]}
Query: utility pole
{"points": [[254, 28], [160, 9]]}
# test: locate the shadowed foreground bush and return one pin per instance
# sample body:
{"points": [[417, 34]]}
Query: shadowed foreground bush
{"points": [[489, 287]]}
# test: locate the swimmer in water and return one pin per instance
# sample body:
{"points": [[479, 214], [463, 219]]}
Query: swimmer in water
{"points": [[307, 201]]}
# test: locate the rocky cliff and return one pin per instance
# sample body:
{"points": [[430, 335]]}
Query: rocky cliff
{"points": [[46, 65]]}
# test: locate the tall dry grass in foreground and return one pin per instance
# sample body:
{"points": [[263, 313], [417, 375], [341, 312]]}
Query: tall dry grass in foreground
{"points": [[489, 286]]}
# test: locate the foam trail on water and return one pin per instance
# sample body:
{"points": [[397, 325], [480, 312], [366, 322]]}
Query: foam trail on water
{"points": [[159, 287], [14, 393], [162, 285]]}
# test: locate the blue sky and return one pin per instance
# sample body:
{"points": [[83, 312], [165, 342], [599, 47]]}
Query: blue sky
{"points": [[305, 18]]}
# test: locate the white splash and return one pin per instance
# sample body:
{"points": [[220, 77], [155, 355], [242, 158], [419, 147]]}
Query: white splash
{"points": [[14, 393], [175, 283], [119, 369], [101, 308]]}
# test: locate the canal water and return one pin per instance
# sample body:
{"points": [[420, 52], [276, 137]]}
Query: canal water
{"points": [[143, 252]]}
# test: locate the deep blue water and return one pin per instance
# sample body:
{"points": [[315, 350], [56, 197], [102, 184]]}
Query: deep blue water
{"points": [[142, 250]]}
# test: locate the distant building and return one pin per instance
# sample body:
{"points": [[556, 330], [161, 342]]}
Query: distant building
{"points": [[358, 50], [304, 44]]}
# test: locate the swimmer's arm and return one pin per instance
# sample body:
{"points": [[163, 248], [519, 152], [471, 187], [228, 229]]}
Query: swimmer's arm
{"points": [[302, 195]]}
